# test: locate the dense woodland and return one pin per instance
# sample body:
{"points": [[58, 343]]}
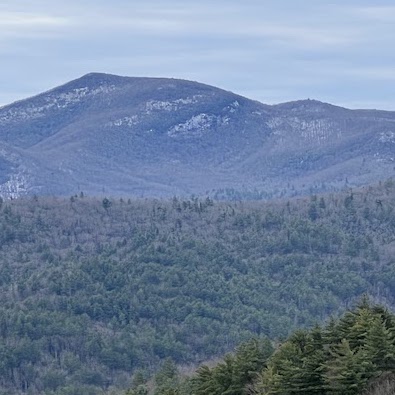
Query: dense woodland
{"points": [[93, 291], [354, 355]]}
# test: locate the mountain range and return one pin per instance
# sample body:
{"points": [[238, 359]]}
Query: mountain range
{"points": [[157, 137]]}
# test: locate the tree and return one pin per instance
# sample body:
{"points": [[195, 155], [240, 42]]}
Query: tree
{"points": [[236, 372], [167, 379], [106, 203], [347, 372], [380, 345]]}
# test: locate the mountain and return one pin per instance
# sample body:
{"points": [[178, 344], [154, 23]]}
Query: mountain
{"points": [[105, 134]]}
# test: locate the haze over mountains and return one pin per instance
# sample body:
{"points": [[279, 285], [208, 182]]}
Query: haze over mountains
{"points": [[105, 134]]}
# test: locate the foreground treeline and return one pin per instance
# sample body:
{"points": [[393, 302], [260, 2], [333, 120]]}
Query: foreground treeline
{"points": [[93, 290], [234, 375], [350, 356]]}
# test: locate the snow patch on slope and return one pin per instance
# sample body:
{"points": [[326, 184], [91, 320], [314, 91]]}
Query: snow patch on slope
{"points": [[197, 126], [15, 187], [387, 137], [174, 105], [125, 121], [52, 101]]}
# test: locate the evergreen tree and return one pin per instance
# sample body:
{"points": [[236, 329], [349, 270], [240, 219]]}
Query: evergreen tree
{"points": [[380, 345], [236, 372], [204, 382], [167, 379], [348, 372]]}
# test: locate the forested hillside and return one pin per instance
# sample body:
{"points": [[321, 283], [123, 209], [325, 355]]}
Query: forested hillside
{"points": [[354, 355], [93, 290]]}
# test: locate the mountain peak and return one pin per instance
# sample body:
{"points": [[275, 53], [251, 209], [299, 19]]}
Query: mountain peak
{"points": [[309, 105], [95, 79], [103, 133]]}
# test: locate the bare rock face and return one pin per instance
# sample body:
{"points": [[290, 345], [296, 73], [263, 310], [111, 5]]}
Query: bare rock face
{"points": [[153, 137]]}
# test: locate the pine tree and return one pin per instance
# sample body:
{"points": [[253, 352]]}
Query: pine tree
{"points": [[285, 370], [347, 372], [166, 379], [250, 358], [332, 333], [236, 372], [380, 345], [204, 382]]}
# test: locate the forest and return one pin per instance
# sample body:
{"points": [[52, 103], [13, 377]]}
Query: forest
{"points": [[349, 356], [95, 292]]}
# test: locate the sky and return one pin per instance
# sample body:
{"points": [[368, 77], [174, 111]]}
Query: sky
{"points": [[273, 51]]}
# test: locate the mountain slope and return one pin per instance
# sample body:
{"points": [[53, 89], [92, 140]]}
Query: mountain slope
{"points": [[160, 137]]}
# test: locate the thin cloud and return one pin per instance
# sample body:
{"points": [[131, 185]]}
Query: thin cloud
{"points": [[270, 51], [303, 36], [373, 73], [29, 25], [378, 13], [225, 24], [30, 20]]}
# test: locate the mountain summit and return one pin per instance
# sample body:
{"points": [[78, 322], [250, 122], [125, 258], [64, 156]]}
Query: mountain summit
{"points": [[105, 134]]}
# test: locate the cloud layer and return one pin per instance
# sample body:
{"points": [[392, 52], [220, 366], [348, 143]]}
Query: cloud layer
{"points": [[269, 51]]}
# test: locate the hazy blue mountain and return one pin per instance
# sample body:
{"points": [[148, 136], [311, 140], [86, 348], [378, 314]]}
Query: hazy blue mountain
{"points": [[105, 134]]}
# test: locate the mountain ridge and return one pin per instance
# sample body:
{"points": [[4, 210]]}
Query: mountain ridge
{"points": [[153, 137]]}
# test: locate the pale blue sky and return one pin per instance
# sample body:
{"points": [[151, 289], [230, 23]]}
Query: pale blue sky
{"points": [[272, 51]]}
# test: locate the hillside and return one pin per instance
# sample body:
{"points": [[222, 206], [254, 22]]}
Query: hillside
{"points": [[92, 290], [354, 355], [104, 134]]}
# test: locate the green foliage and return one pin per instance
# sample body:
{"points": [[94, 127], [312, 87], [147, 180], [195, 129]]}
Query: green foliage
{"points": [[92, 292], [320, 362], [348, 371], [166, 379], [235, 373]]}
